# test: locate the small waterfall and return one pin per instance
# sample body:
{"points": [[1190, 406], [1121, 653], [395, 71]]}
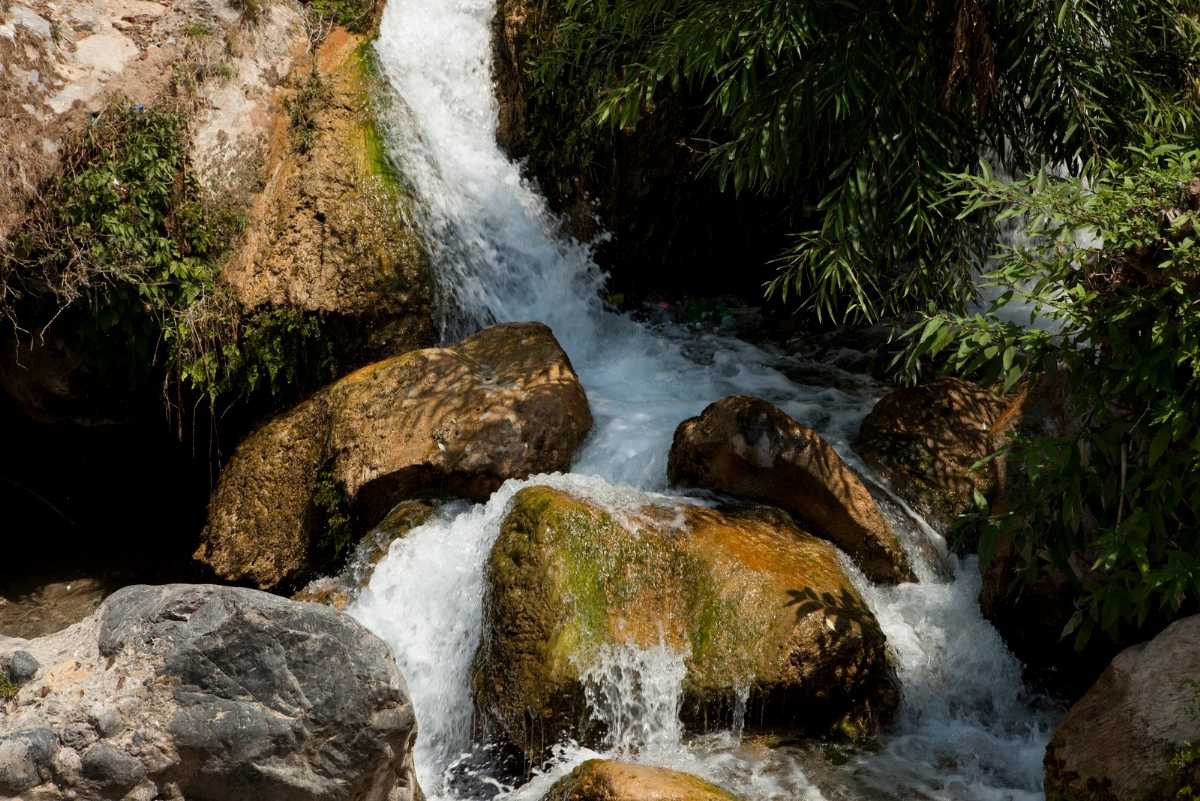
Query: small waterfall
{"points": [[966, 733]]}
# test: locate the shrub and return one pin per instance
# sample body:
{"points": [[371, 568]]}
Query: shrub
{"points": [[850, 114], [1112, 271]]}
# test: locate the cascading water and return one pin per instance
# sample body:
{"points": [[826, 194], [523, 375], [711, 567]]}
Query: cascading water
{"points": [[966, 732]]}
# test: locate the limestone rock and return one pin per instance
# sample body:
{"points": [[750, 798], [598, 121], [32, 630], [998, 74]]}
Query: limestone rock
{"points": [[605, 780], [924, 441], [747, 447], [748, 599], [1119, 742], [502, 404], [209, 694]]}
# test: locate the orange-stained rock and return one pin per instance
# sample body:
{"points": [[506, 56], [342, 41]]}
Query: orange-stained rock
{"points": [[605, 780], [461, 420], [746, 598], [749, 448]]}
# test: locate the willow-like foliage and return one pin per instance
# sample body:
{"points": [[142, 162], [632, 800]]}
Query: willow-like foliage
{"points": [[855, 111]]}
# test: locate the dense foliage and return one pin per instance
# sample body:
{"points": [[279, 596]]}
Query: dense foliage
{"points": [[1110, 272], [127, 247], [853, 112]]}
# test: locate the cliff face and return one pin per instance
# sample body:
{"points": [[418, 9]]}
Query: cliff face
{"points": [[63, 60], [319, 272]]}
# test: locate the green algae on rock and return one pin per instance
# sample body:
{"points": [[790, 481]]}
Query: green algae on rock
{"points": [[751, 602]]}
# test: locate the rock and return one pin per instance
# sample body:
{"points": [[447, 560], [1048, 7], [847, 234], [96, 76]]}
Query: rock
{"points": [[502, 404], [1119, 741], [748, 599], [924, 441], [330, 231], [604, 780], [26, 759], [19, 667], [207, 692], [749, 448], [337, 591]]}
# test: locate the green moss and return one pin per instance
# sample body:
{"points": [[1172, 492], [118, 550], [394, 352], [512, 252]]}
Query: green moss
{"points": [[334, 524], [8, 690], [355, 15]]}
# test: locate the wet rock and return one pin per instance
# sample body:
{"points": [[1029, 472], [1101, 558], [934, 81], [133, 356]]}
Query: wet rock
{"points": [[502, 404], [1132, 737], [748, 600], [337, 591], [211, 693], [925, 440], [749, 448], [604, 780]]}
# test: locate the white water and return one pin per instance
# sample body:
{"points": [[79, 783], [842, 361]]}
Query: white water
{"points": [[965, 733]]}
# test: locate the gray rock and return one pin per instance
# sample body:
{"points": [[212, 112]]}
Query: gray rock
{"points": [[212, 693], [26, 758], [108, 721], [20, 667], [111, 769]]}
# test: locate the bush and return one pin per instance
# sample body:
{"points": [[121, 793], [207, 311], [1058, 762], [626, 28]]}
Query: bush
{"points": [[850, 114], [125, 248], [1112, 271]]}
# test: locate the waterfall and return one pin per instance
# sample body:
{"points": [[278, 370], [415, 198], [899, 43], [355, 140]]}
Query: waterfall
{"points": [[967, 731]]}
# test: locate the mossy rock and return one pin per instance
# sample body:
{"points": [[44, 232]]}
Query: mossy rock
{"points": [[750, 600], [604, 780]]}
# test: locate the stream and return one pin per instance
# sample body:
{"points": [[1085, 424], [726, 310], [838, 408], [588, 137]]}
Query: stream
{"points": [[968, 729]]}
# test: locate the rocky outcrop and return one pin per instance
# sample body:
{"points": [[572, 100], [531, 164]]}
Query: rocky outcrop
{"points": [[209, 694], [749, 448], [330, 233], [502, 404], [748, 599], [604, 780], [1135, 735], [64, 61], [925, 441]]}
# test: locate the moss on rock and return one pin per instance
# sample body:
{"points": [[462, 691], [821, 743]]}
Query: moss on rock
{"points": [[749, 599]]}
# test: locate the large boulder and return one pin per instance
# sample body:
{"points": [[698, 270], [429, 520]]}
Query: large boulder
{"points": [[748, 600], [925, 441], [1135, 735], [209, 694], [605, 780], [747, 447], [461, 420]]}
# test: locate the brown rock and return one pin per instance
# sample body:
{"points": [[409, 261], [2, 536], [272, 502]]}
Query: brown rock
{"points": [[502, 404], [925, 440], [749, 448], [604, 780], [748, 599], [329, 232], [1132, 737]]}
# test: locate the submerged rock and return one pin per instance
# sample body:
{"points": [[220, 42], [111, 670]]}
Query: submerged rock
{"points": [[461, 420], [214, 693], [1135, 735], [749, 601], [747, 447], [925, 441], [605, 780]]}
